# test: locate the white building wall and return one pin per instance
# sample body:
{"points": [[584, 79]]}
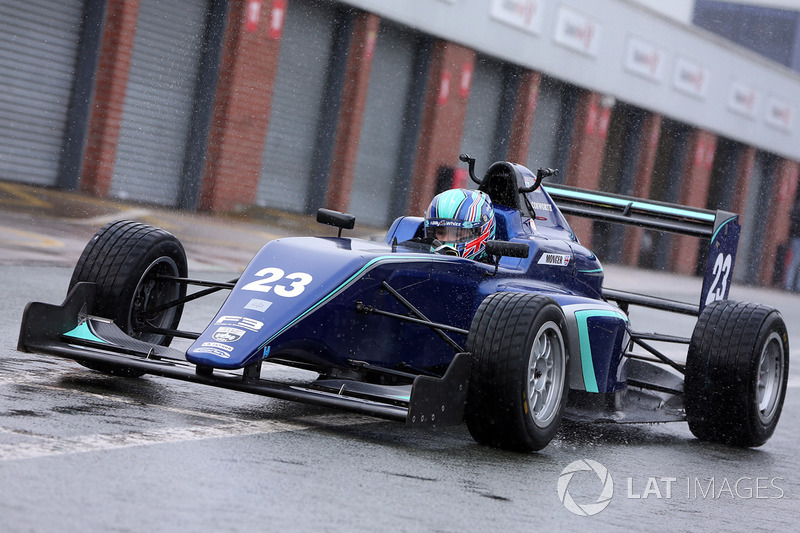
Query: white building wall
{"points": [[619, 48], [679, 10]]}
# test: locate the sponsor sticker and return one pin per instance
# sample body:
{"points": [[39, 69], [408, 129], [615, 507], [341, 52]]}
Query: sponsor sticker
{"points": [[218, 345], [743, 99], [526, 15], [779, 114], [691, 78], [228, 334], [240, 322], [258, 305], [577, 32], [644, 59], [213, 351], [554, 259]]}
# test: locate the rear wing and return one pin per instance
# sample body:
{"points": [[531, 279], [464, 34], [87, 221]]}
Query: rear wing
{"points": [[721, 228]]}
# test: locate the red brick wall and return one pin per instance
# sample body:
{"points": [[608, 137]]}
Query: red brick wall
{"points": [[109, 96], [524, 112], [586, 154], [648, 149], [443, 120], [694, 193], [351, 115], [242, 106], [778, 216]]}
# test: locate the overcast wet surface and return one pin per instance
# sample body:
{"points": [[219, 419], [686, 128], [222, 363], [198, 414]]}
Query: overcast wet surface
{"points": [[80, 450]]}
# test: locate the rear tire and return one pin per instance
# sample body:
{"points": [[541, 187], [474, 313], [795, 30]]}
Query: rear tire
{"points": [[124, 260], [736, 373], [518, 386]]}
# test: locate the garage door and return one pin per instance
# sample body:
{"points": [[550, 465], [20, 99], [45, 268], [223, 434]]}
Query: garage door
{"points": [[762, 184], [38, 56], [159, 99], [296, 104], [382, 131], [483, 111], [544, 138]]}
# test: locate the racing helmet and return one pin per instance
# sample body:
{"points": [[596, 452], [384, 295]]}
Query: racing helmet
{"points": [[462, 219]]}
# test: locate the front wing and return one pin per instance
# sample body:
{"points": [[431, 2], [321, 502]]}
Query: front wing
{"points": [[70, 331]]}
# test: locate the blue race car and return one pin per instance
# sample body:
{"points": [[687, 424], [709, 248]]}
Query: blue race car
{"points": [[510, 336]]}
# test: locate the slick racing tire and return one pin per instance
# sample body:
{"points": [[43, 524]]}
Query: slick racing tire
{"points": [[125, 259], [518, 385], [736, 373]]}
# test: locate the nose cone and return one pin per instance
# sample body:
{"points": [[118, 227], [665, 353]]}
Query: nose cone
{"points": [[285, 282]]}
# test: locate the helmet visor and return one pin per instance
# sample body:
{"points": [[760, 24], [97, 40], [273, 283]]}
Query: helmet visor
{"points": [[450, 231]]}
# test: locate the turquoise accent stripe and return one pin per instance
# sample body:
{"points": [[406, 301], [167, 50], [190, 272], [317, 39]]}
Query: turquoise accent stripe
{"points": [[348, 281], [82, 331], [644, 206], [720, 228], [587, 362], [594, 271]]}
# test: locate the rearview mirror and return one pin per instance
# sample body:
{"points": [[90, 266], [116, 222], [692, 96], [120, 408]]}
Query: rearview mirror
{"points": [[508, 249], [336, 219]]}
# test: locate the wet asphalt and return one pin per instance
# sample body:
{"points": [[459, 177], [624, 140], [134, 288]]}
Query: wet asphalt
{"points": [[83, 451]]}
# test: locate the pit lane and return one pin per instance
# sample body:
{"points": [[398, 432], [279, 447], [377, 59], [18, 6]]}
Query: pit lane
{"points": [[82, 451]]}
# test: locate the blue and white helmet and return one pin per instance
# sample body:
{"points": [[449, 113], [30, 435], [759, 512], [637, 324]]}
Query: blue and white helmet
{"points": [[462, 219]]}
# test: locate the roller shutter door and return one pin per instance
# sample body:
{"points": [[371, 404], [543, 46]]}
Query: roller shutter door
{"points": [[762, 184], [38, 55], [158, 102], [482, 115], [379, 143], [296, 102], [544, 138]]}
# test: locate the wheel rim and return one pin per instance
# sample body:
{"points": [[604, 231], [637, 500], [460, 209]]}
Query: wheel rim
{"points": [[546, 374], [770, 378], [150, 293]]}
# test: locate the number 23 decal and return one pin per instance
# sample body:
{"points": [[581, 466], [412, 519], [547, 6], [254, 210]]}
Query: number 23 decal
{"points": [[270, 275], [722, 269]]}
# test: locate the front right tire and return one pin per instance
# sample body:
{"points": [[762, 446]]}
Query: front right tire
{"points": [[128, 262], [518, 385]]}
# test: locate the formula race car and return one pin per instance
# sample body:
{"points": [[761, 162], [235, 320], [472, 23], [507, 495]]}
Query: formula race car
{"points": [[510, 344]]}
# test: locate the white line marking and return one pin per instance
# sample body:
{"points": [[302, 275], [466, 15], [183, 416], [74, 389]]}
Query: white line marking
{"points": [[49, 446], [30, 381]]}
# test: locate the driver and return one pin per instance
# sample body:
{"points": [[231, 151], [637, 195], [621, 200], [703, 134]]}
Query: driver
{"points": [[462, 220]]}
